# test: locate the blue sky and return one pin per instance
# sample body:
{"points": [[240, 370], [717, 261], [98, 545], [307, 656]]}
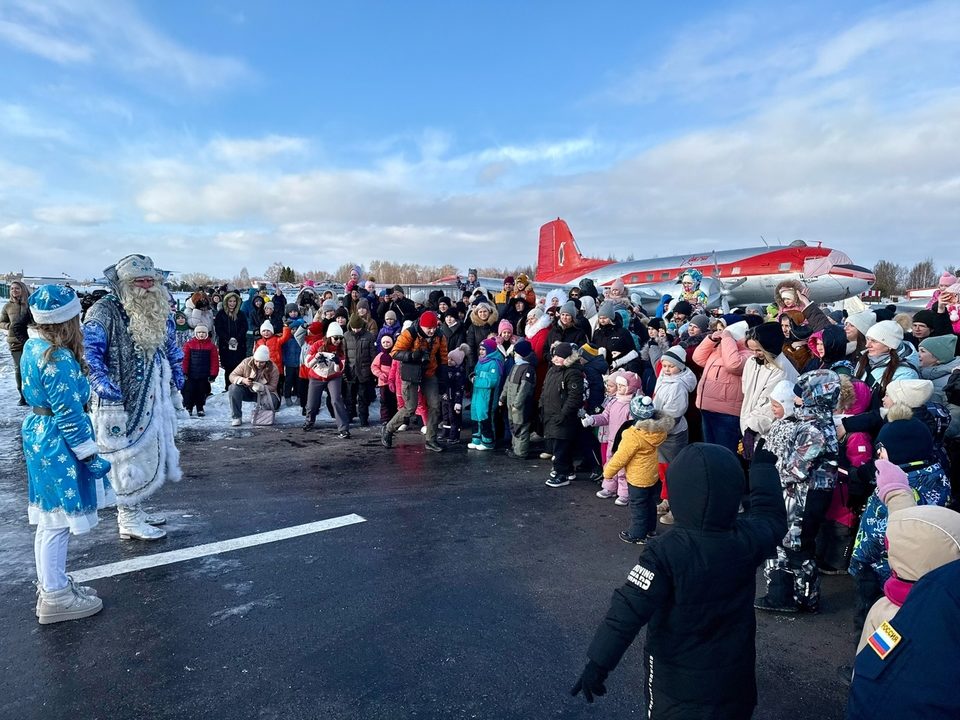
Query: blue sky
{"points": [[216, 135]]}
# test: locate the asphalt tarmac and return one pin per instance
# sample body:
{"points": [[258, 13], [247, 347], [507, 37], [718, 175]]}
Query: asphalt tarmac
{"points": [[470, 591]]}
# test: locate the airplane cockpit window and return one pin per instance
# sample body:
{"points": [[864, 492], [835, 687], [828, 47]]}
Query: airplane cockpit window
{"points": [[785, 267]]}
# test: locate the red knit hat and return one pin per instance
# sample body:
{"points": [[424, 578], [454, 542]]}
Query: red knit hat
{"points": [[429, 319]]}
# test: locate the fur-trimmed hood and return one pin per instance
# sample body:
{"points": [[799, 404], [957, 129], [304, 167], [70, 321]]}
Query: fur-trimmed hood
{"points": [[922, 539], [492, 320], [662, 424], [794, 284]]}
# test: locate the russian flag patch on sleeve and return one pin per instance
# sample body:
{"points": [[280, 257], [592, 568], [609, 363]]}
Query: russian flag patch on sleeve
{"points": [[884, 640]]}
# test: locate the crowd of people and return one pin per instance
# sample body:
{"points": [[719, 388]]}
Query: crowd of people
{"points": [[841, 425]]}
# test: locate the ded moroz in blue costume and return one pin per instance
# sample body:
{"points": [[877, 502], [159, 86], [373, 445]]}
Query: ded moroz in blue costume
{"points": [[65, 473], [135, 370]]}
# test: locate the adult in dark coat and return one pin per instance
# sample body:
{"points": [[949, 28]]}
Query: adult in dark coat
{"points": [[560, 403], [453, 330], [693, 588], [565, 327], [400, 304], [230, 324], [917, 679], [482, 324], [360, 348], [617, 344]]}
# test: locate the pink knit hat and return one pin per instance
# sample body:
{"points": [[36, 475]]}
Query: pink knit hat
{"points": [[948, 279], [504, 325]]}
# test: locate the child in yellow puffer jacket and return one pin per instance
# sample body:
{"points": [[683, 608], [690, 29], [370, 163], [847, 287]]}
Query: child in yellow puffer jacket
{"points": [[637, 455]]}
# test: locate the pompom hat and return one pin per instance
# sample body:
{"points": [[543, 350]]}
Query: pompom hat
{"points": [[641, 408]]}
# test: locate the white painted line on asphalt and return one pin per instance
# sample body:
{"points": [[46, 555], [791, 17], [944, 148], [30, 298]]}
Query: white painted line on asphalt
{"points": [[215, 548]]}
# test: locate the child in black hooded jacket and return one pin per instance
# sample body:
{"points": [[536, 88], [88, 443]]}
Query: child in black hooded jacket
{"points": [[693, 587]]}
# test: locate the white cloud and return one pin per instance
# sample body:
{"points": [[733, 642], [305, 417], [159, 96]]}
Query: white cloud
{"points": [[24, 122], [17, 176], [250, 150], [73, 214], [114, 35], [44, 44]]}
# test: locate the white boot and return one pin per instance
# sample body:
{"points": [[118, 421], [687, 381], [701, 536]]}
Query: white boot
{"points": [[132, 525], [79, 589], [66, 604]]}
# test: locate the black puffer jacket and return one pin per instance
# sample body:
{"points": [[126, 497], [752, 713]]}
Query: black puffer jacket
{"points": [[694, 587], [573, 335], [360, 350], [562, 398]]}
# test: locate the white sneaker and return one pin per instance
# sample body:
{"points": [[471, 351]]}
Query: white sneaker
{"points": [[471, 446], [402, 428], [236, 422], [622, 502], [667, 518], [606, 494], [66, 604], [423, 430], [546, 456], [663, 508], [79, 589]]}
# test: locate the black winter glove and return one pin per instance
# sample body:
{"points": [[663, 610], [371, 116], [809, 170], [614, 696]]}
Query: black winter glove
{"points": [[762, 455], [590, 682]]}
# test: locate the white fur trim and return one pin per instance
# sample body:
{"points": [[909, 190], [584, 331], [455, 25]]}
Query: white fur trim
{"points": [[86, 449], [141, 467], [110, 427], [56, 315]]}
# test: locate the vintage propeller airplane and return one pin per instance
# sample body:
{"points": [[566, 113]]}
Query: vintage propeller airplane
{"points": [[730, 277]]}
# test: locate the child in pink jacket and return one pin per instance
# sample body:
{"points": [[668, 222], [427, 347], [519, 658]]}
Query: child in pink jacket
{"points": [[614, 415], [382, 369]]}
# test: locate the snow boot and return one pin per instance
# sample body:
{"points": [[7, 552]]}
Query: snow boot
{"points": [[132, 525], [66, 604], [780, 588]]}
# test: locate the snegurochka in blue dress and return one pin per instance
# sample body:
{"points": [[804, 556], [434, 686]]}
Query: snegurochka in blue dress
{"points": [[66, 476]]}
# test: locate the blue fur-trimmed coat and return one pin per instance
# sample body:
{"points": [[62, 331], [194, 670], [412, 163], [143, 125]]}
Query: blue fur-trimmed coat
{"points": [[63, 491]]}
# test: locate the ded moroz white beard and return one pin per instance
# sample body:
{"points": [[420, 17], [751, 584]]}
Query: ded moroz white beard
{"points": [[148, 311]]}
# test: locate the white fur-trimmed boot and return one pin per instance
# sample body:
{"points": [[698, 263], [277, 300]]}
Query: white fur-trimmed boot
{"points": [[66, 604], [133, 526]]}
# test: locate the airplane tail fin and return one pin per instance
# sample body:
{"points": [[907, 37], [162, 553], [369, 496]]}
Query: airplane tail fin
{"points": [[559, 258]]}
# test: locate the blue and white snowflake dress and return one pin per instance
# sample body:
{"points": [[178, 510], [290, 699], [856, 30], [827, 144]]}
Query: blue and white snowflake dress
{"points": [[63, 491]]}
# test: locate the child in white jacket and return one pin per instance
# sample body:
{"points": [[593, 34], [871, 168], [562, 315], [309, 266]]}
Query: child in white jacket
{"points": [[671, 398]]}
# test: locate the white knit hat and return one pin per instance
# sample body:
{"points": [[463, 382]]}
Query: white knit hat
{"points": [[912, 393], [738, 331], [334, 330], [887, 332], [863, 321], [262, 354], [267, 325], [783, 392]]}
